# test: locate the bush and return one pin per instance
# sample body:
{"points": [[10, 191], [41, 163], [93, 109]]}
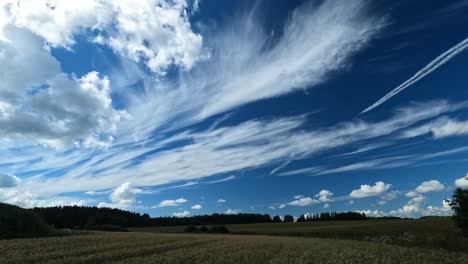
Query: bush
{"points": [[460, 206], [219, 230], [16, 222], [204, 229], [107, 228], [190, 229]]}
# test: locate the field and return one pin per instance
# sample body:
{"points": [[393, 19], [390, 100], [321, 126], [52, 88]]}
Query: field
{"points": [[428, 233], [371, 241], [133, 247]]}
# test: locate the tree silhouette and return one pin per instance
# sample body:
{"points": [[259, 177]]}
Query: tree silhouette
{"points": [[288, 218], [277, 219], [460, 206]]}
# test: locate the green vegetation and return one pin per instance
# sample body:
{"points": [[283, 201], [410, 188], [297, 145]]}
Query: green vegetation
{"points": [[204, 229], [18, 222], [428, 232], [187, 248], [460, 206]]}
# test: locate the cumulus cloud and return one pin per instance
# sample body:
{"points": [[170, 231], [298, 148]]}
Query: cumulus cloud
{"points": [[221, 84], [221, 201], [324, 196], [176, 202], [124, 194], [181, 214], [430, 186], [29, 199], [372, 213], [303, 201], [232, 211], [367, 191], [444, 210], [39, 104], [462, 182], [389, 196], [122, 197], [8, 180], [163, 38], [196, 207]]}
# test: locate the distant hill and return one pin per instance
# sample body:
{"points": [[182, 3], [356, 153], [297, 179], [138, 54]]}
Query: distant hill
{"points": [[16, 222]]}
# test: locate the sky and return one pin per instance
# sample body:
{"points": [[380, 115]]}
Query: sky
{"points": [[187, 107]]}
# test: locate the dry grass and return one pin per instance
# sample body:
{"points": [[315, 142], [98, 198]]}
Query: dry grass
{"points": [[185, 248], [429, 233]]}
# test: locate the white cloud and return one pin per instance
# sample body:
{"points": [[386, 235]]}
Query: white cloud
{"points": [[430, 186], [325, 206], [39, 104], [366, 190], [221, 201], [78, 203], [221, 150], [462, 182], [28, 199], [440, 128], [196, 207], [444, 210], [413, 206], [372, 213], [221, 84], [232, 211], [389, 196], [123, 197], [282, 206], [163, 38], [324, 196], [241, 70], [92, 192], [230, 178], [181, 214], [125, 194], [176, 202], [304, 201], [417, 199], [411, 194], [7, 181]]}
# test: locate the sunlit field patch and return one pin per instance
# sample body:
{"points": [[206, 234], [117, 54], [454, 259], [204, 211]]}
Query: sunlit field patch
{"points": [[183, 248]]}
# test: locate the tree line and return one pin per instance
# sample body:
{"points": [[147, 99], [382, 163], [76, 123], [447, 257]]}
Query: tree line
{"points": [[16, 222], [347, 216], [19, 222]]}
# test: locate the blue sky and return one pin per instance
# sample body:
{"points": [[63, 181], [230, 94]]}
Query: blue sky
{"points": [[192, 107]]}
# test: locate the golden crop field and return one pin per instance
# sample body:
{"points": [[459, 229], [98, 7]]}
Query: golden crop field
{"points": [[428, 233], [132, 247]]}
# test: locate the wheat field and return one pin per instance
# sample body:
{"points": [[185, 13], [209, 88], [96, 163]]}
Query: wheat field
{"points": [[130, 247]]}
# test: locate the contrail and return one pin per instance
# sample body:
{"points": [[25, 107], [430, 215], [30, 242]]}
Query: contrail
{"points": [[432, 66]]}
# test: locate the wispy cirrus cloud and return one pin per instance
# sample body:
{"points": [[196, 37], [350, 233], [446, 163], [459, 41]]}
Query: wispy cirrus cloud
{"points": [[222, 150]]}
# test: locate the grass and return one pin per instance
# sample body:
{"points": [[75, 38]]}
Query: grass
{"points": [[132, 247], [428, 233]]}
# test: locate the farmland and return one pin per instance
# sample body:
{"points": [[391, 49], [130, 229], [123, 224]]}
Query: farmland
{"points": [[428, 233], [432, 240], [133, 247]]}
